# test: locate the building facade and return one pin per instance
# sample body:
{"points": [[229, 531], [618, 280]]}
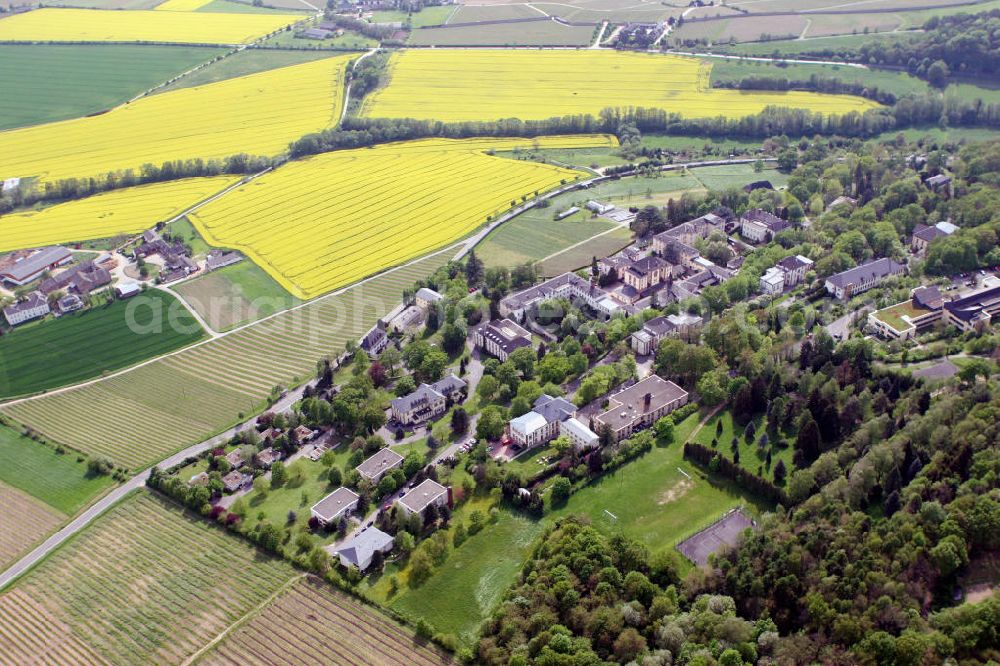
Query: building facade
{"points": [[640, 405]]}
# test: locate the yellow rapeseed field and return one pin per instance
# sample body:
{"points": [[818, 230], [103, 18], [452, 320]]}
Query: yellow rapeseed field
{"points": [[258, 114], [127, 211], [91, 25], [329, 220], [181, 5], [457, 85]]}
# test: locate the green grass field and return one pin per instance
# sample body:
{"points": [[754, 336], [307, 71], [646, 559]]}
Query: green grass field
{"points": [[287, 39], [535, 33], [736, 175], [235, 295], [85, 344], [936, 134], [898, 83], [230, 7], [426, 16], [751, 458], [59, 480], [581, 255], [44, 83], [534, 235], [247, 61], [791, 47]]}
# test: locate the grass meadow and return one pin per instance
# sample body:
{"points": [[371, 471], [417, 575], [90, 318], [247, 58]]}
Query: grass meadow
{"points": [[235, 295], [60, 480], [535, 234], [45, 83], [26, 521], [86, 344], [247, 61], [751, 458], [898, 83]]}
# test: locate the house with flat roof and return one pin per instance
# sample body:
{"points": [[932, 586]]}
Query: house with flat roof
{"points": [[860, 279], [640, 405], [33, 306], [760, 226], [578, 434], [358, 551], [975, 310], [378, 465], [541, 424], [426, 494], [338, 504], [501, 337], [428, 401], [30, 267], [903, 321]]}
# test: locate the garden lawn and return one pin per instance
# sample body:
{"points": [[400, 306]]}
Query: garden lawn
{"points": [[59, 480], [235, 295], [85, 344], [750, 460], [44, 83]]}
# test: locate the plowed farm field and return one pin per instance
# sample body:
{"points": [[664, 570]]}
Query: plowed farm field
{"points": [[457, 85], [258, 114], [340, 631], [127, 211], [56, 24], [323, 222]]}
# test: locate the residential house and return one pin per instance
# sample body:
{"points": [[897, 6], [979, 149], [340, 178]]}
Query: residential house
{"points": [[541, 424], [578, 434], [772, 281], [426, 297], [686, 325], [861, 278], [676, 245], [785, 274], [760, 226], [33, 306], [358, 551], [375, 340], [409, 318], [640, 405], [975, 310], [303, 434], [68, 303], [84, 279], [235, 459], [428, 493], [941, 184], [267, 457], [924, 235], [646, 340], [28, 267], [428, 401], [338, 504], [501, 337], [378, 465], [235, 480]]}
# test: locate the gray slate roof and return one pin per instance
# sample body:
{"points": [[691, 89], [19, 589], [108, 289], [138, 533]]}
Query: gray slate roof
{"points": [[878, 268], [361, 548]]}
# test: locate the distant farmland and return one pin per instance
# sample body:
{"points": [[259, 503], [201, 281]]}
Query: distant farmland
{"points": [[45, 83], [127, 211], [87, 343], [329, 220], [456, 85], [177, 401], [335, 630], [257, 114]]}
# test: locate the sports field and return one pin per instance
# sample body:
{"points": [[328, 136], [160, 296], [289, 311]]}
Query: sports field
{"points": [[45, 83], [144, 584], [257, 114], [329, 220], [340, 630], [88, 343], [88, 25], [183, 399], [457, 85], [127, 211]]}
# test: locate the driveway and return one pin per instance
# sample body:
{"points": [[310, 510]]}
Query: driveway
{"points": [[840, 328]]}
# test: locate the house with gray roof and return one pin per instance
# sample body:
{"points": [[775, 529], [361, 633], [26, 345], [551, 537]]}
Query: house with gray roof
{"points": [[358, 551], [761, 226], [32, 307], [501, 337], [338, 504], [378, 465], [640, 405], [31, 267], [541, 424], [426, 297], [426, 494], [428, 401], [648, 338], [861, 278]]}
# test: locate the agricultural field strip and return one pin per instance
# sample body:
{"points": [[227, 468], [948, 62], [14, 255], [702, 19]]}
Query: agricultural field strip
{"points": [[300, 199], [30, 634], [458, 85], [126, 211], [175, 403], [180, 564], [340, 620], [88, 25], [26, 520], [258, 114]]}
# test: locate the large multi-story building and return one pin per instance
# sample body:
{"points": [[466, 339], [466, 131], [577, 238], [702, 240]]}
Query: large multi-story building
{"points": [[501, 337], [760, 226], [541, 424], [975, 310], [569, 286], [785, 274], [32, 307], [861, 278], [428, 401], [640, 405]]}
